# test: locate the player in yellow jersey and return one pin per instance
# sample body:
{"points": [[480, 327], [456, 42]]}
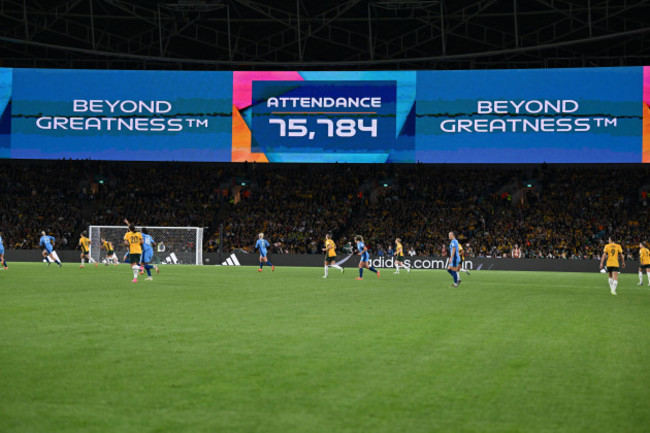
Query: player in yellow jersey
{"points": [[133, 240], [110, 252], [399, 257], [330, 254], [612, 251], [461, 251], [644, 263], [84, 243]]}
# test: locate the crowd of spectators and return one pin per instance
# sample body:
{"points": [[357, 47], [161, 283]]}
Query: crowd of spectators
{"points": [[546, 211]]}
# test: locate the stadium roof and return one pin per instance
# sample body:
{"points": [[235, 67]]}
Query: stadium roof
{"points": [[328, 34]]}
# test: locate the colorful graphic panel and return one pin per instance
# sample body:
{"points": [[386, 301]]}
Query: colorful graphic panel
{"points": [[594, 115], [324, 116], [121, 115], [646, 114], [5, 112], [529, 116]]}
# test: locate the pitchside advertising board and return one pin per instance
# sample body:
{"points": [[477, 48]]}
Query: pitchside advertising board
{"points": [[589, 115], [416, 262]]}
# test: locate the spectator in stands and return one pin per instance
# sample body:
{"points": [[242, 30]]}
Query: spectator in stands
{"points": [[566, 214]]}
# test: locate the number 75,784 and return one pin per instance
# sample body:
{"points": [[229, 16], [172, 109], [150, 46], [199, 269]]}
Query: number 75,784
{"points": [[339, 128]]}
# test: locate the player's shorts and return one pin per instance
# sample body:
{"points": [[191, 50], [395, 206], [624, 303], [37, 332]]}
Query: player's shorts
{"points": [[262, 254], [455, 262], [134, 258], [642, 266], [147, 256], [109, 253], [613, 269], [400, 258], [2, 250], [49, 250], [365, 257], [330, 258], [84, 252]]}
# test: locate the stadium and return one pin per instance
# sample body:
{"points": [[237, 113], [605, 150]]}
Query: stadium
{"points": [[334, 216]]}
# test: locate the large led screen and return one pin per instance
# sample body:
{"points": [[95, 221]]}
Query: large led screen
{"points": [[121, 115], [589, 115]]}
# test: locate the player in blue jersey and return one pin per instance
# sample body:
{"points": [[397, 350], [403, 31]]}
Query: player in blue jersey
{"points": [[262, 245], [365, 257], [47, 242], [2, 254], [454, 259], [147, 253]]}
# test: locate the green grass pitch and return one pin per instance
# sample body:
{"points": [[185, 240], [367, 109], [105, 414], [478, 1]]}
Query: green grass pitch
{"points": [[228, 349]]}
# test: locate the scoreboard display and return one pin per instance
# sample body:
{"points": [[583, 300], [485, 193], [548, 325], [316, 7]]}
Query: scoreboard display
{"points": [[588, 115]]}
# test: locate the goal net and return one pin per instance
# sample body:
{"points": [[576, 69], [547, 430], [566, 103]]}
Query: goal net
{"points": [[174, 245]]}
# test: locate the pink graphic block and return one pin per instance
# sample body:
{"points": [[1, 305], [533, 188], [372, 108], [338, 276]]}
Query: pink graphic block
{"points": [[242, 86]]}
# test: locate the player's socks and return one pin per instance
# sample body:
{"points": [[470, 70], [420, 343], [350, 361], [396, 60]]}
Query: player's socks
{"points": [[611, 280], [82, 262], [269, 263], [261, 264], [91, 260], [326, 270], [450, 272], [4, 263], [148, 268], [135, 269], [455, 275], [640, 278], [360, 272], [373, 269], [335, 266]]}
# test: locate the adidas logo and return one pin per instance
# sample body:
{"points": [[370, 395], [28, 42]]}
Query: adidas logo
{"points": [[231, 261]]}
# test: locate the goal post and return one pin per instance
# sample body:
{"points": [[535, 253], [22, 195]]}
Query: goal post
{"points": [[174, 245]]}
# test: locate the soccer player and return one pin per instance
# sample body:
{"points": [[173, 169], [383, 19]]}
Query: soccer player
{"points": [[330, 254], [110, 252], [399, 257], [365, 257], [133, 240], [612, 251], [47, 242], [84, 243], [2, 254], [454, 259], [262, 244], [461, 252], [644, 263], [147, 253]]}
